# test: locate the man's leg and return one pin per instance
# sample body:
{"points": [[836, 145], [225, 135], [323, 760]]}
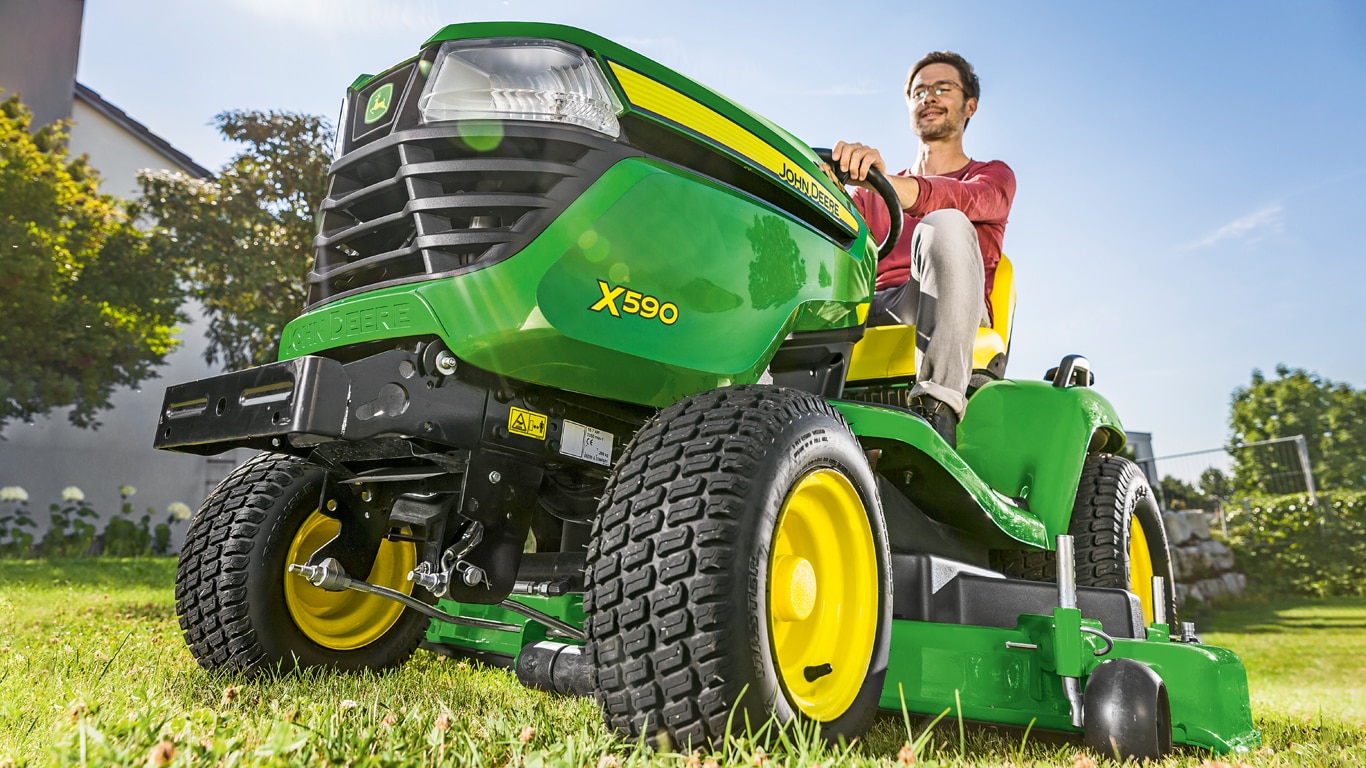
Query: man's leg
{"points": [[946, 263], [895, 306]]}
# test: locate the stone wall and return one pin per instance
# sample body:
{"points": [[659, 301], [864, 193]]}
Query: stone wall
{"points": [[1203, 566]]}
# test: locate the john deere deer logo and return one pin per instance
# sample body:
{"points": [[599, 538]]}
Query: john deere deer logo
{"points": [[378, 106]]}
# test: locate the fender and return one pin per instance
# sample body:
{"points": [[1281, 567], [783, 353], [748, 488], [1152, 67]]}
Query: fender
{"points": [[1021, 446]]}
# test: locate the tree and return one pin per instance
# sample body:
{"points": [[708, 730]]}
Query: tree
{"points": [[1215, 485], [245, 240], [85, 308], [1179, 494], [1330, 415]]}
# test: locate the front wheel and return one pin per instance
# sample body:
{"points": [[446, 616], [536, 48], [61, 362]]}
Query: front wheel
{"points": [[1120, 539], [240, 609], [740, 570], [1127, 712]]}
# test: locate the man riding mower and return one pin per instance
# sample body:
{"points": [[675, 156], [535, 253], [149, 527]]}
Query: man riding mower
{"points": [[584, 385]]}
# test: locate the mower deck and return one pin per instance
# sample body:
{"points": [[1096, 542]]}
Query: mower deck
{"points": [[981, 657]]}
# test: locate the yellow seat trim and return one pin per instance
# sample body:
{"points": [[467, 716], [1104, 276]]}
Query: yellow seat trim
{"points": [[888, 351]]}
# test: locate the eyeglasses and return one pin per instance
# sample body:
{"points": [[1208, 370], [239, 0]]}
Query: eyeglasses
{"points": [[920, 92]]}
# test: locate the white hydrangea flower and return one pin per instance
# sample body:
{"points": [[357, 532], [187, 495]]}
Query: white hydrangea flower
{"points": [[178, 510], [127, 490], [13, 493], [72, 493]]}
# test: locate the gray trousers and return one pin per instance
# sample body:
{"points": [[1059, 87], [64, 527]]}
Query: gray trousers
{"points": [[944, 301]]}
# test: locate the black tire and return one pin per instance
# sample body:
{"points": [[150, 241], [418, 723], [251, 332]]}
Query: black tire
{"points": [[1112, 496], [231, 592], [1127, 712], [678, 579]]}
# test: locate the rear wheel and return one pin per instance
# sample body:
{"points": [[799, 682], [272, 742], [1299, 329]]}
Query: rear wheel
{"points": [[1117, 533], [739, 569], [239, 608]]}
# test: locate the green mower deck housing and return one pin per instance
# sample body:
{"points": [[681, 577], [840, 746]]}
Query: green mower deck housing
{"points": [[534, 240]]}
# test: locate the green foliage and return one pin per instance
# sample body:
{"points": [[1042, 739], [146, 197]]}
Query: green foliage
{"points": [[244, 241], [72, 530], [1179, 494], [1212, 492], [1215, 485], [87, 308], [122, 537], [161, 539], [15, 540], [1330, 415], [1286, 545]]}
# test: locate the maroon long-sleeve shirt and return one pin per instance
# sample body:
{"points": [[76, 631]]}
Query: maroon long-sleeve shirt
{"points": [[982, 191]]}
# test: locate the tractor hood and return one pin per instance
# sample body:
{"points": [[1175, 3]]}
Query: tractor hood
{"points": [[562, 210]]}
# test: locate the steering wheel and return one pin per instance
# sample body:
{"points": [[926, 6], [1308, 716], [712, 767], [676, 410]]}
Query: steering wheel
{"points": [[884, 190]]}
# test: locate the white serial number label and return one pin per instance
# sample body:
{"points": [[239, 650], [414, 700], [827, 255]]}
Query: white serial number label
{"points": [[584, 442]]}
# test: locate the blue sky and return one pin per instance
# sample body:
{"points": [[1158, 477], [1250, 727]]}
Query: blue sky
{"points": [[1190, 173]]}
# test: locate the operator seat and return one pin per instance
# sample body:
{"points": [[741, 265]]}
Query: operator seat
{"points": [[885, 358]]}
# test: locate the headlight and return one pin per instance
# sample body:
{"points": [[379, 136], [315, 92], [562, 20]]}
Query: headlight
{"points": [[338, 141], [519, 79]]}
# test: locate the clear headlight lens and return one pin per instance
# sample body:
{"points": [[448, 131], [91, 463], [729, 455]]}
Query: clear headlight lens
{"points": [[338, 140], [519, 79]]}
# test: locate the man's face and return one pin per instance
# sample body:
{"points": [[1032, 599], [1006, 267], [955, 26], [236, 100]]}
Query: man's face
{"points": [[939, 108]]}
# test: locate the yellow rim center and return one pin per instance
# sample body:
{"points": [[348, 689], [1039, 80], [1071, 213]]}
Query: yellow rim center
{"points": [[347, 620], [1141, 568], [823, 594], [794, 588]]}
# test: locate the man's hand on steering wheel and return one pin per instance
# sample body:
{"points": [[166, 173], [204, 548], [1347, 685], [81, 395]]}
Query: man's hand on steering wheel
{"points": [[851, 163], [873, 177]]}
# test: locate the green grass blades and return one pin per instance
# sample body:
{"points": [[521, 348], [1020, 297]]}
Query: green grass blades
{"points": [[93, 671]]}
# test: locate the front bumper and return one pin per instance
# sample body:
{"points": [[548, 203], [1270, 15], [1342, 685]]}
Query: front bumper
{"points": [[396, 398]]}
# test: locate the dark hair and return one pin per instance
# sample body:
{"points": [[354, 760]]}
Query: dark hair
{"points": [[972, 87]]}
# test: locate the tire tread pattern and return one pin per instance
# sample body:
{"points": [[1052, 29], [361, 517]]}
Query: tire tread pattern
{"points": [[660, 585], [212, 595], [1098, 529]]}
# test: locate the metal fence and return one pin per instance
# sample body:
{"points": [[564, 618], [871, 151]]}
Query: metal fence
{"points": [[1284, 461]]}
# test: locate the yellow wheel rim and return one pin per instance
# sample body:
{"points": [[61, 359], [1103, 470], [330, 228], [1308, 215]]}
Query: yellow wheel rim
{"points": [[345, 621], [823, 594], [1141, 568]]}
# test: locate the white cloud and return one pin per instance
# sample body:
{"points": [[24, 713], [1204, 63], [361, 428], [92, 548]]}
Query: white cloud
{"points": [[1251, 228]]}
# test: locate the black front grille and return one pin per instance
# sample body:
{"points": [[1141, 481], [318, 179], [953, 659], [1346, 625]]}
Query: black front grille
{"points": [[423, 203]]}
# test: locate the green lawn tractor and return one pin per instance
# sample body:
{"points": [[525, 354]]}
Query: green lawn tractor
{"points": [[583, 386]]}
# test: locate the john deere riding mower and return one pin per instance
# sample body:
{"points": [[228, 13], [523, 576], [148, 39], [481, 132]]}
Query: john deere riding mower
{"points": [[583, 386]]}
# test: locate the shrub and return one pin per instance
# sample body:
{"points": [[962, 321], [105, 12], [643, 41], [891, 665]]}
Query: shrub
{"points": [[123, 538], [14, 518], [72, 530], [1287, 545]]}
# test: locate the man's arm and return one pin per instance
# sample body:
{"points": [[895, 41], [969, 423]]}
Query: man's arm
{"points": [[856, 159], [983, 197]]}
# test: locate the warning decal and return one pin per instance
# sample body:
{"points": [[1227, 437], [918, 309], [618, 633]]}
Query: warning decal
{"points": [[528, 423]]}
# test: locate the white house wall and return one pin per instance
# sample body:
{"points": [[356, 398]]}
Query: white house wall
{"points": [[114, 152]]}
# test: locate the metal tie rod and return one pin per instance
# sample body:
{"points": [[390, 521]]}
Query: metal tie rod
{"points": [[329, 575], [569, 630]]}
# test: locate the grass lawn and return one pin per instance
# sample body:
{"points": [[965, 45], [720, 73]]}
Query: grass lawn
{"points": [[93, 671]]}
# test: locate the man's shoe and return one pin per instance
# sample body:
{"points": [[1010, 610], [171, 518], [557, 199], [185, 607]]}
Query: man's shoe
{"points": [[938, 415]]}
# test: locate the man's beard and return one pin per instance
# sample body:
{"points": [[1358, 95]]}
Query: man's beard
{"points": [[943, 129]]}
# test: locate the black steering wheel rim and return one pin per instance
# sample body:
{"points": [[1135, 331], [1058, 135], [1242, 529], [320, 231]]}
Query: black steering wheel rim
{"points": [[884, 190]]}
